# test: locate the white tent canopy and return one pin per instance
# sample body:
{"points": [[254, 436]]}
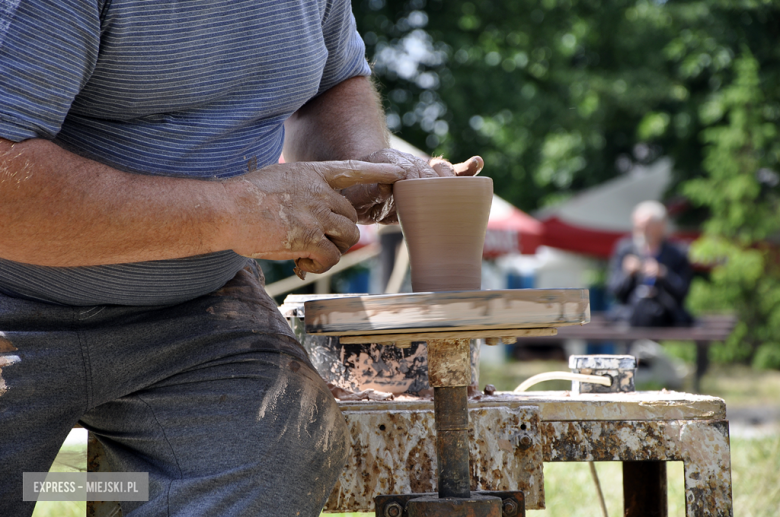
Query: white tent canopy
{"points": [[608, 206]]}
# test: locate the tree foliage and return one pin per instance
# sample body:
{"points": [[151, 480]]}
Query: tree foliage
{"points": [[560, 95], [740, 190]]}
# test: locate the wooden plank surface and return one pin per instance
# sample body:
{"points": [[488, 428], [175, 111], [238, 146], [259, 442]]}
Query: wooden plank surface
{"points": [[656, 334], [448, 311], [561, 406], [457, 334]]}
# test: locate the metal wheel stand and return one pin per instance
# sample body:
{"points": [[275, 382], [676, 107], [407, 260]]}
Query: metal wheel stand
{"points": [[449, 374]]}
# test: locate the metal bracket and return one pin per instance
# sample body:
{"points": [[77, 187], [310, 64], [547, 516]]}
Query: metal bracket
{"points": [[620, 368], [513, 503]]}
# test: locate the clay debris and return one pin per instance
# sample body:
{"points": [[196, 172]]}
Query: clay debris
{"points": [[369, 394]]}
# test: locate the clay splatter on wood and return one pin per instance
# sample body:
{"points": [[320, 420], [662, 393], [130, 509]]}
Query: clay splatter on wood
{"points": [[394, 452], [701, 444], [5, 345], [458, 310]]}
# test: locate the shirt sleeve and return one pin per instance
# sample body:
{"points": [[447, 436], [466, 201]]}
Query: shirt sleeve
{"points": [[48, 49], [346, 50]]}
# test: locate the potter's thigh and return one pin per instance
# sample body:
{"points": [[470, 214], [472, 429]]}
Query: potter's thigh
{"points": [[43, 392], [260, 435]]}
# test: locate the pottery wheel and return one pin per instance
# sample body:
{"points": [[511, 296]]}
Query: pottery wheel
{"points": [[447, 315]]}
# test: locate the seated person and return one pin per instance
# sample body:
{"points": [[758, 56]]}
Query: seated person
{"points": [[648, 275]]}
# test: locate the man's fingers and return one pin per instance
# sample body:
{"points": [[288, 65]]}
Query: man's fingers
{"points": [[470, 167], [363, 197], [323, 256], [341, 205], [442, 167], [343, 174], [338, 233], [385, 213], [413, 166], [342, 232]]}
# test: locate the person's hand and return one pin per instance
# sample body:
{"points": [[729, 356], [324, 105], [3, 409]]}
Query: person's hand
{"points": [[631, 264], [374, 203], [294, 210], [652, 269]]}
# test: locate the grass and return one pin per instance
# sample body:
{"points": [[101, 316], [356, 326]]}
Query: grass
{"points": [[569, 487], [69, 459]]}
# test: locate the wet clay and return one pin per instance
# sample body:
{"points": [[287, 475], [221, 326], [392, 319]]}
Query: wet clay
{"points": [[444, 221], [5, 345]]}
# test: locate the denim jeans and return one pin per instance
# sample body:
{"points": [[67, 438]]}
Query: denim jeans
{"points": [[213, 397]]}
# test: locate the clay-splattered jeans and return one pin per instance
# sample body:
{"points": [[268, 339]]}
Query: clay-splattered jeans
{"points": [[213, 398]]}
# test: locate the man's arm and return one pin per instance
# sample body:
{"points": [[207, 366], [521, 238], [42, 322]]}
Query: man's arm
{"points": [[677, 273], [345, 122], [620, 282], [59, 209]]}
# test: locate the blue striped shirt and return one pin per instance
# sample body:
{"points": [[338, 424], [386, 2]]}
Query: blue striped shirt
{"points": [[189, 88]]}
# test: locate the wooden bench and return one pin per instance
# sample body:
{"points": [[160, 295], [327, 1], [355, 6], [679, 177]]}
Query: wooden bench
{"points": [[706, 331]]}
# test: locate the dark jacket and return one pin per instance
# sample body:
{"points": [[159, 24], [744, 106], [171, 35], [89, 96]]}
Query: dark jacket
{"points": [[651, 302]]}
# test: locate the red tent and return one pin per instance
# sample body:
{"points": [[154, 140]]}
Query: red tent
{"points": [[592, 221]]}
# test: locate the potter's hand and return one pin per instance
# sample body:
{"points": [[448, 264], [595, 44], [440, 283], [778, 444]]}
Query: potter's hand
{"points": [[294, 210], [470, 167], [653, 269], [374, 203], [631, 264]]}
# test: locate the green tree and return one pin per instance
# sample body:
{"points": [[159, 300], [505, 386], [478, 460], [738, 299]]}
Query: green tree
{"points": [[560, 95], [740, 190]]}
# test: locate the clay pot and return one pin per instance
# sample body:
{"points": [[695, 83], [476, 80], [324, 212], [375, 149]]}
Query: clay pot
{"points": [[444, 222]]}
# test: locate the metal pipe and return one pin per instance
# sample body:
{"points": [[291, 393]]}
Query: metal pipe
{"points": [[452, 440]]}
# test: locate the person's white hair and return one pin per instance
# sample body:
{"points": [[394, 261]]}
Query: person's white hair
{"points": [[652, 209]]}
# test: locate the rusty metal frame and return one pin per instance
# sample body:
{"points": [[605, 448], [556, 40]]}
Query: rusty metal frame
{"points": [[702, 445], [393, 450]]}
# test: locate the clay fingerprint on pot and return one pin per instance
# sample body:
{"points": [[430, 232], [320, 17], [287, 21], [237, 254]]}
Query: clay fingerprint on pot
{"points": [[444, 222]]}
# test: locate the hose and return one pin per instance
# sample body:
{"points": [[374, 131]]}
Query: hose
{"points": [[568, 376], [563, 376]]}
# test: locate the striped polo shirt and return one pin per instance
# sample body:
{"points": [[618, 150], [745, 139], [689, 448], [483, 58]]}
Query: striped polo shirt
{"points": [[188, 88]]}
